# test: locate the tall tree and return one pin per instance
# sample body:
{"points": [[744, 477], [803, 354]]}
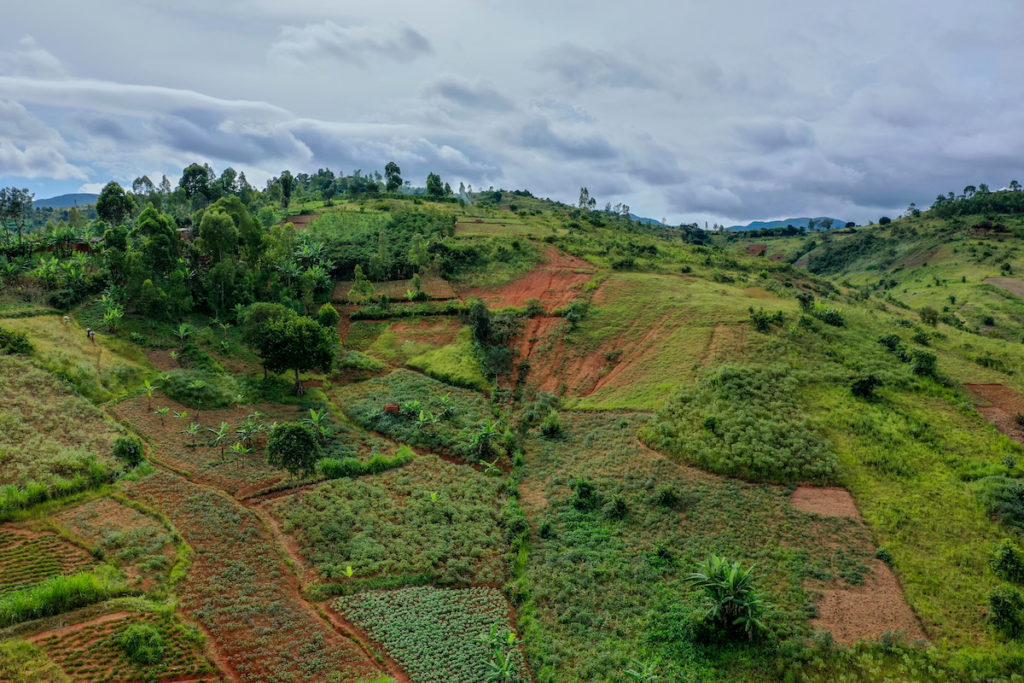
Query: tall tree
{"points": [[195, 181], [114, 204], [296, 343], [394, 176], [435, 188], [14, 207], [287, 183]]}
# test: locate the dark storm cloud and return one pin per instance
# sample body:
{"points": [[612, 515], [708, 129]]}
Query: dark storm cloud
{"points": [[469, 95], [353, 44], [538, 135], [696, 110], [202, 133]]}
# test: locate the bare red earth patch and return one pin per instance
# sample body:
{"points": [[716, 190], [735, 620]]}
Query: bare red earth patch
{"points": [[1010, 284], [1000, 405], [756, 249], [554, 284], [865, 612], [828, 501]]}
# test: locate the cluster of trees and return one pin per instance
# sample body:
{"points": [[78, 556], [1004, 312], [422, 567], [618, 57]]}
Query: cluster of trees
{"points": [[978, 200]]}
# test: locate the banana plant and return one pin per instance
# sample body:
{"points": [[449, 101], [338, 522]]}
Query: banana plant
{"points": [[192, 431], [162, 412], [220, 436], [148, 388]]}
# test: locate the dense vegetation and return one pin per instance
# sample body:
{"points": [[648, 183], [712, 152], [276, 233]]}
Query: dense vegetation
{"points": [[262, 400]]}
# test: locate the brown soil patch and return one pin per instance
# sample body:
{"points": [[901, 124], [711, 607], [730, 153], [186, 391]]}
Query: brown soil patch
{"points": [[1010, 284], [302, 222], [756, 249], [239, 475], [865, 612], [1003, 406], [438, 331], [828, 501], [161, 360], [554, 283]]}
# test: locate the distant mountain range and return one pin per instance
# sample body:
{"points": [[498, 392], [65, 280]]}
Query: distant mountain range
{"points": [[641, 219], [795, 222], [66, 201]]}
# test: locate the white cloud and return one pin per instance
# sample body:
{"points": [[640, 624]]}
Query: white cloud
{"points": [[353, 44]]}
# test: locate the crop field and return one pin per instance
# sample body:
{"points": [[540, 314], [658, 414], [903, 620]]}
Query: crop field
{"points": [[239, 474], [30, 557], [400, 526], [438, 635], [603, 582], [91, 651], [50, 438], [243, 594], [450, 416], [434, 286], [100, 371], [138, 544]]}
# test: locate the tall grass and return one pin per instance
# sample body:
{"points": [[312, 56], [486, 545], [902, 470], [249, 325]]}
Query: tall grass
{"points": [[57, 595]]}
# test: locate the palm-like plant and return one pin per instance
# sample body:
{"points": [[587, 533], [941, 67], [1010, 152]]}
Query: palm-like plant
{"points": [[220, 436], [148, 388], [183, 332], [735, 603], [193, 432], [643, 671], [319, 420], [162, 412], [483, 440]]}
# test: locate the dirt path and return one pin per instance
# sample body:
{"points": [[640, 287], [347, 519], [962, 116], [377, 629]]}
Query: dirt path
{"points": [[242, 593], [828, 501]]}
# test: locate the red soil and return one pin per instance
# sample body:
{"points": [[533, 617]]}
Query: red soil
{"points": [[1003, 406], [865, 612], [1010, 284], [242, 593], [302, 222], [756, 249], [438, 331], [826, 501], [555, 283]]}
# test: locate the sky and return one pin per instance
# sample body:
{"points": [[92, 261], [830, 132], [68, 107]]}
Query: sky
{"points": [[690, 111]]}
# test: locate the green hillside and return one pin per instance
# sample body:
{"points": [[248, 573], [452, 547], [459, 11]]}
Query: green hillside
{"points": [[366, 436]]}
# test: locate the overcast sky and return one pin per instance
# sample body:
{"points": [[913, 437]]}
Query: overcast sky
{"points": [[694, 111]]}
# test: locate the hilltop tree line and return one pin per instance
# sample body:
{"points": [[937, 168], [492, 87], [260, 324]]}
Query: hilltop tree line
{"points": [[977, 200]]}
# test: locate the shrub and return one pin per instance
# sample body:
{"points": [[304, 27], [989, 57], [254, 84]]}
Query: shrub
{"points": [[864, 387], [142, 643], [334, 468], [14, 341], [929, 316], [615, 508], [551, 426], [667, 497], [1004, 498], [923, 363], [128, 450], [584, 496], [199, 389], [1006, 611], [830, 316], [1008, 561], [294, 447], [533, 308], [762, 321], [327, 316], [806, 301]]}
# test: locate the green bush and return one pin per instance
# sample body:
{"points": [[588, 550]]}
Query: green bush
{"points": [[14, 341], [128, 450], [763, 322], [327, 316], [551, 426], [142, 643], [1008, 561], [294, 447], [735, 606], [923, 363], [1006, 611], [201, 389], [333, 468], [1004, 498], [357, 360], [864, 387]]}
